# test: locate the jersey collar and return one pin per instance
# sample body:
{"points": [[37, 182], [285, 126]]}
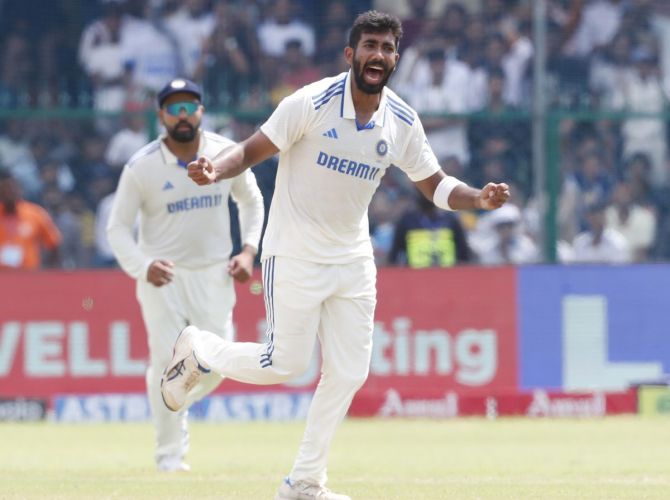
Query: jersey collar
{"points": [[170, 159], [347, 110]]}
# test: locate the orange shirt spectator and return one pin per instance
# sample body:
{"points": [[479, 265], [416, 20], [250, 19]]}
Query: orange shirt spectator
{"points": [[25, 228]]}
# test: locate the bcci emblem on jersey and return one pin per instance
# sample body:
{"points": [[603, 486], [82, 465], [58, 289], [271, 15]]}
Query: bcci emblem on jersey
{"points": [[382, 147]]}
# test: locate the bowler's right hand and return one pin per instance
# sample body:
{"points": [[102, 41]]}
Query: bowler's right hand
{"points": [[202, 171]]}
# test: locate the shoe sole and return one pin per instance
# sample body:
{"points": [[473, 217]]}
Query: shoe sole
{"points": [[171, 365]]}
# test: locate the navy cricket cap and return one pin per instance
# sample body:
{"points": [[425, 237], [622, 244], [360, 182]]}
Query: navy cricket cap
{"points": [[179, 85]]}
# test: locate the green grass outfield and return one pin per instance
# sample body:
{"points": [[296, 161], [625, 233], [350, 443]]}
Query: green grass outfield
{"points": [[610, 458]]}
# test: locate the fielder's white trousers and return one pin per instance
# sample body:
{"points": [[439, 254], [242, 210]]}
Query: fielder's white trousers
{"points": [[203, 297], [303, 300]]}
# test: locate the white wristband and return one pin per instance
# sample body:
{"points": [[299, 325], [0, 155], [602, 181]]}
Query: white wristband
{"points": [[443, 190]]}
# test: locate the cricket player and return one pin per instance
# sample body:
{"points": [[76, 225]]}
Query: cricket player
{"points": [[336, 138], [182, 257]]}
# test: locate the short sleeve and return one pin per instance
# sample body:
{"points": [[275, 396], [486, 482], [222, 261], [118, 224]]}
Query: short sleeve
{"points": [[289, 122], [417, 159]]}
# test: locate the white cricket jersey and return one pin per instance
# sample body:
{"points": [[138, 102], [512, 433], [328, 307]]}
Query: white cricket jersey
{"points": [[179, 220], [330, 166]]}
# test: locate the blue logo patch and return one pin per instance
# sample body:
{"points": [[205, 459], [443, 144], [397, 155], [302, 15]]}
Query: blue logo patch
{"points": [[382, 148], [168, 185]]}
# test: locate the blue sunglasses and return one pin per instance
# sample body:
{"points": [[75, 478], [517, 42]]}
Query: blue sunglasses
{"points": [[175, 108]]}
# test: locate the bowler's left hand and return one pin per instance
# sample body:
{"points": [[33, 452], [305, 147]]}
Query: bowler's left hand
{"points": [[493, 196]]}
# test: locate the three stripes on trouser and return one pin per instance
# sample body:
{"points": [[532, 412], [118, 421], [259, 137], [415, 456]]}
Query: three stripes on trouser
{"points": [[268, 285]]}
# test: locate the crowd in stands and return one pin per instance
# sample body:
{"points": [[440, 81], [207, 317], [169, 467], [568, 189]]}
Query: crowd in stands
{"points": [[78, 83]]}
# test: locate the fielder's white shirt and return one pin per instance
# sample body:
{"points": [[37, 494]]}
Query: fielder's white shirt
{"points": [[330, 166], [179, 220]]}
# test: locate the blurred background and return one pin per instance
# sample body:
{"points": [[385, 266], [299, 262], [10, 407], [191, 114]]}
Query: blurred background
{"points": [[565, 100]]}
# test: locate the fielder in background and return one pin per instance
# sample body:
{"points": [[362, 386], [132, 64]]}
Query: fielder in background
{"points": [[335, 138], [182, 257]]}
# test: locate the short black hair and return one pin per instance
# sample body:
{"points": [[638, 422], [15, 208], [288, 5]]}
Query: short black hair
{"points": [[374, 21]]}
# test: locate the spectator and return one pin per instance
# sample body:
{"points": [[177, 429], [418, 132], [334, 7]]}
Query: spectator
{"points": [[280, 27], [26, 229], [16, 154], [407, 10], [599, 243], [641, 90], [125, 142], [512, 52], [637, 172], [636, 223], [382, 221], [17, 71], [295, 70], [101, 58], [226, 64], [501, 239], [75, 224], [593, 182], [426, 236], [191, 25], [610, 67], [441, 85], [150, 55], [599, 21]]}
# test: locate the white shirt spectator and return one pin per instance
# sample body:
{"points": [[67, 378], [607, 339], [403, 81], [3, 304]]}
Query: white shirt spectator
{"points": [[150, 54], [599, 23], [101, 56], [499, 238], [123, 145], [273, 37], [452, 96], [190, 32], [611, 249], [514, 65], [16, 155], [646, 135], [639, 229]]}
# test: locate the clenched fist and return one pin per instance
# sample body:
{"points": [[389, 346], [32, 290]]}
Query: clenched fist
{"points": [[202, 171], [493, 196]]}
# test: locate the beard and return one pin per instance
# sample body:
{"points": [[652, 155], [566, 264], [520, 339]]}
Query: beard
{"points": [[183, 135], [366, 87]]}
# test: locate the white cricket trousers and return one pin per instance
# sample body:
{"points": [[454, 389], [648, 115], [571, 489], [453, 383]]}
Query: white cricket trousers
{"points": [[302, 300], [203, 297]]}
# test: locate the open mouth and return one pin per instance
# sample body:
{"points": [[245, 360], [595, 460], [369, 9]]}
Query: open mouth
{"points": [[374, 73]]}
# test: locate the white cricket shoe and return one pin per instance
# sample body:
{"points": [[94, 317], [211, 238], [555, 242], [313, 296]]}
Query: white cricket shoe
{"points": [[183, 372], [172, 464], [302, 490]]}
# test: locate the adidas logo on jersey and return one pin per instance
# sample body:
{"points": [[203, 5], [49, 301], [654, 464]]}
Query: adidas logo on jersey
{"points": [[168, 185], [332, 133]]}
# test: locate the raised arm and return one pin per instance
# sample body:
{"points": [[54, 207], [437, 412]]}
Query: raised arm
{"points": [[447, 192], [233, 161]]}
